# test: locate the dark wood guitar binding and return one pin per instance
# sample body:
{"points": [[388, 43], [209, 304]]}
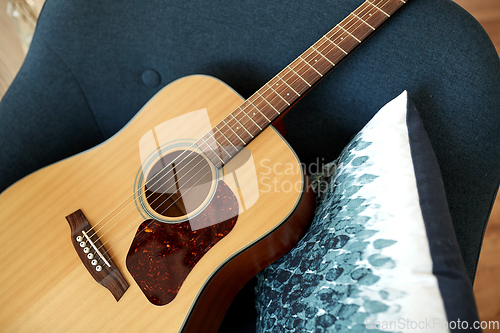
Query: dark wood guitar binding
{"points": [[110, 276]]}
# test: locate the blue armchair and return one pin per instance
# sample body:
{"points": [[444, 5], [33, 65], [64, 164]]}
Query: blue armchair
{"points": [[93, 65]]}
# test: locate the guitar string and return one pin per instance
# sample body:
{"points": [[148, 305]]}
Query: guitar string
{"points": [[152, 220], [189, 155], [188, 149], [267, 89], [149, 223], [225, 123], [130, 211], [259, 103], [242, 108], [146, 184], [169, 188], [304, 64]]}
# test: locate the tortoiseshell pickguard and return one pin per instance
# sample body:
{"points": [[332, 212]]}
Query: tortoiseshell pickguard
{"points": [[162, 254]]}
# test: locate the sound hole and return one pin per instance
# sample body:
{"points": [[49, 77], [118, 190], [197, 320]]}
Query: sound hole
{"points": [[178, 184]]}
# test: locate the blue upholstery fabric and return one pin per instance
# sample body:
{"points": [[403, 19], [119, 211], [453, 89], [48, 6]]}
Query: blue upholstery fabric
{"points": [[92, 66]]}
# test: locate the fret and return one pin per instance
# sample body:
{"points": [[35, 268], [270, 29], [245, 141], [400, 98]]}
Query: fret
{"points": [[307, 62], [320, 63], [216, 144], [204, 150], [276, 96], [370, 15], [241, 125], [242, 117], [279, 77], [297, 83], [210, 153], [359, 18], [378, 8], [283, 98], [321, 54], [330, 51], [342, 39], [334, 44], [253, 121], [391, 6], [226, 148], [269, 103], [317, 60], [277, 104], [220, 140], [232, 130], [258, 110], [357, 28], [254, 114], [241, 132], [298, 75], [301, 67], [349, 33]]}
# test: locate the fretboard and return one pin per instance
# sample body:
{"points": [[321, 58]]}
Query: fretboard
{"points": [[272, 100]]}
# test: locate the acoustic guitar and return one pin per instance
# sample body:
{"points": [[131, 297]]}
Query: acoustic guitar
{"points": [[159, 227]]}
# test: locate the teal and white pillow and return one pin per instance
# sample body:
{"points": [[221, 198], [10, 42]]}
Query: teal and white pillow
{"points": [[381, 253]]}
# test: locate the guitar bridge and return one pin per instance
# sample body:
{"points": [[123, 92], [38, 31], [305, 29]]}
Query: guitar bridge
{"points": [[94, 257]]}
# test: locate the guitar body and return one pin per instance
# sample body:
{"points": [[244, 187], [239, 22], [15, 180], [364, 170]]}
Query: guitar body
{"points": [[158, 228], [253, 211]]}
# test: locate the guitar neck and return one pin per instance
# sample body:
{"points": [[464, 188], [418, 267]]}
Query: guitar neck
{"points": [[272, 100]]}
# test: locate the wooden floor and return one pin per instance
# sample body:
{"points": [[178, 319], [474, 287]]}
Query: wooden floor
{"points": [[487, 284]]}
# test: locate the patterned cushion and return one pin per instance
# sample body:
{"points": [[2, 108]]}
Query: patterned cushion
{"points": [[381, 252]]}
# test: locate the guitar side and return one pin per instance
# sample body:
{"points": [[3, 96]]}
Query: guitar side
{"points": [[45, 287]]}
